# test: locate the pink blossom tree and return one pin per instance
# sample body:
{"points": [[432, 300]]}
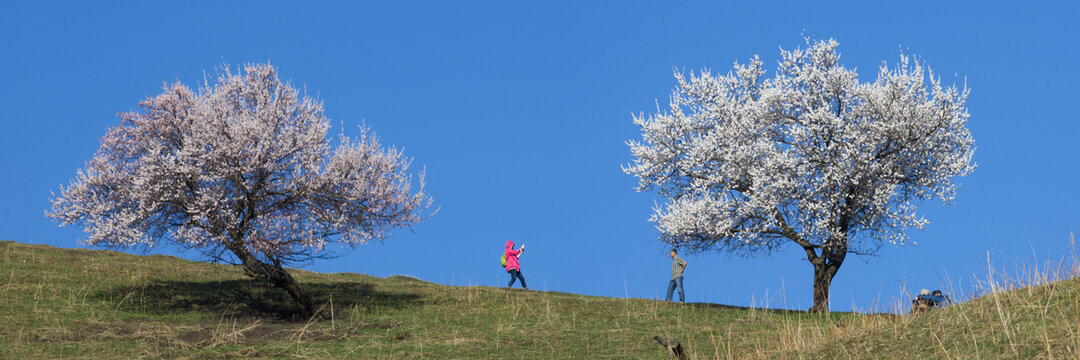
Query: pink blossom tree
{"points": [[243, 170], [812, 157]]}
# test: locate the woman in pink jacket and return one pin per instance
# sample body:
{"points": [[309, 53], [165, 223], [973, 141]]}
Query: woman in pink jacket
{"points": [[512, 266]]}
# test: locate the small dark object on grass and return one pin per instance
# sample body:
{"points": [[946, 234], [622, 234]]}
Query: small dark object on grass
{"points": [[674, 348], [402, 335]]}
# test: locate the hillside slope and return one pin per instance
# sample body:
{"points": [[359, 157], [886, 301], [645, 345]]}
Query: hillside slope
{"points": [[70, 303], [1031, 322]]}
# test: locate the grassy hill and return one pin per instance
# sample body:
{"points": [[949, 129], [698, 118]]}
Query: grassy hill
{"points": [[68, 303]]}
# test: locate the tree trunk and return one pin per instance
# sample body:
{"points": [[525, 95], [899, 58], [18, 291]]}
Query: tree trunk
{"points": [[825, 266], [823, 275], [284, 280], [278, 277]]}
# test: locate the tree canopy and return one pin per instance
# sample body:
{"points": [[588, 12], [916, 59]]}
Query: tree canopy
{"points": [[242, 169], [810, 156]]}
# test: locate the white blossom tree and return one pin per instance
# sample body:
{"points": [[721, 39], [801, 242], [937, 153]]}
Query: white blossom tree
{"points": [[243, 170], [810, 157]]}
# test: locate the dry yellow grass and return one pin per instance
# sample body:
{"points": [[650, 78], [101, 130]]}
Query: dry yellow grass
{"points": [[58, 303]]}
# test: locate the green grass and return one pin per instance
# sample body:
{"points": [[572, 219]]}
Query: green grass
{"points": [[61, 303]]}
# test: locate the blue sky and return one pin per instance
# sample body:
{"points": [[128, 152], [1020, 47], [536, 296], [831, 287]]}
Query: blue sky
{"points": [[520, 112]]}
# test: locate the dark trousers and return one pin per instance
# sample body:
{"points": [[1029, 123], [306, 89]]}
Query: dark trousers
{"points": [[675, 283], [516, 274]]}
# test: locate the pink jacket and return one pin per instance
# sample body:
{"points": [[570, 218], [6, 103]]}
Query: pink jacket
{"points": [[511, 257]]}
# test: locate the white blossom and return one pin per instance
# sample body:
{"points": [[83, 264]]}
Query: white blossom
{"points": [[244, 165], [245, 154], [810, 156]]}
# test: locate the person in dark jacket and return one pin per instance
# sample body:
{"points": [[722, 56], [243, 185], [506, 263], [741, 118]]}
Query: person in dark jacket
{"points": [[939, 299]]}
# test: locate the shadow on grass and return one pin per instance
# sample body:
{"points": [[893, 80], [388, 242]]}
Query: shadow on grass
{"points": [[734, 307], [250, 298]]}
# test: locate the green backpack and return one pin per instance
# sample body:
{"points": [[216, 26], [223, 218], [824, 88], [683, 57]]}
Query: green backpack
{"points": [[502, 260]]}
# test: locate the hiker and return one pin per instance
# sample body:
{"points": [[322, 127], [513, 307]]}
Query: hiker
{"points": [[677, 268], [512, 265], [936, 298], [922, 302], [927, 301], [939, 299]]}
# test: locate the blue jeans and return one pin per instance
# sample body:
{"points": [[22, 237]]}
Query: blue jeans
{"points": [[675, 283], [516, 274]]}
